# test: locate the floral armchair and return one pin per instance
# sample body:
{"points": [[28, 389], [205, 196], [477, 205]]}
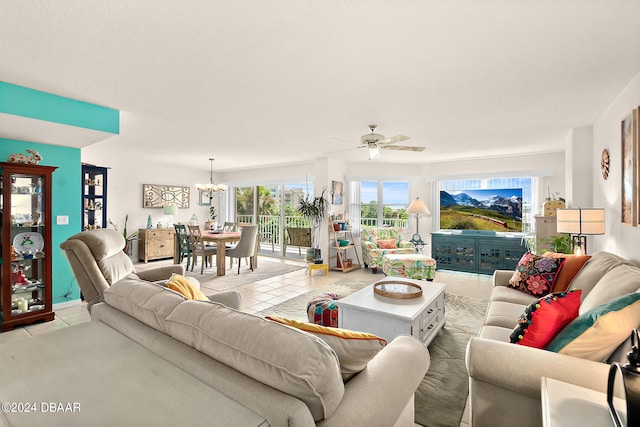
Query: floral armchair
{"points": [[377, 242]]}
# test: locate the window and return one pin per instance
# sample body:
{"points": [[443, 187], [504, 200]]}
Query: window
{"points": [[392, 211]]}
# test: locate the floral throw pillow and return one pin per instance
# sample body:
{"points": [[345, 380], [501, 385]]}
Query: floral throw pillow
{"points": [[535, 274]]}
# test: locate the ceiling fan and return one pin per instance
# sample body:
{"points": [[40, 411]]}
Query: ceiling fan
{"points": [[375, 142]]}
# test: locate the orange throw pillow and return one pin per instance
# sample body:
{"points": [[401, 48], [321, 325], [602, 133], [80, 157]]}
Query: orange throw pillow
{"points": [[387, 244], [572, 264]]}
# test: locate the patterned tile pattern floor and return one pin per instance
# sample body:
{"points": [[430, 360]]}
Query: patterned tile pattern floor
{"points": [[265, 293]]}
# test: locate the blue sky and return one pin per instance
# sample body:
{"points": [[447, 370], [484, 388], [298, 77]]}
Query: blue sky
{"points": [[395, 193]]}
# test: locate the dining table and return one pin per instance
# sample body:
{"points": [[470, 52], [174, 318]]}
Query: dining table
{"points": [[221, 239]]}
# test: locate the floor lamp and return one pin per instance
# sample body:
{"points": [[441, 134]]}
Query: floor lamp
{"points": [[417, 207], [580, 223]]}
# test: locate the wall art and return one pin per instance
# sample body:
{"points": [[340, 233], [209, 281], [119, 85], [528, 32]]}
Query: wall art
{"points": [[629, 148], [156, 196]]}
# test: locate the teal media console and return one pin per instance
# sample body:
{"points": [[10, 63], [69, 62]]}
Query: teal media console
{"points": [[476, 251]]}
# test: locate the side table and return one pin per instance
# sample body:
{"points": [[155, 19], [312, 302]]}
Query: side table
{"points": [[311, 267], [569, 405]]}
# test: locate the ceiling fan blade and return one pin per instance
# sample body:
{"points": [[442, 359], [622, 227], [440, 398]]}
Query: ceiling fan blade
{"points": [[394, 139], [401, 148]]}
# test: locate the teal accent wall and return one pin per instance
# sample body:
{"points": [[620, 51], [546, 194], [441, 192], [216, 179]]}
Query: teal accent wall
{"points": [[67, 192], [25, 102]]}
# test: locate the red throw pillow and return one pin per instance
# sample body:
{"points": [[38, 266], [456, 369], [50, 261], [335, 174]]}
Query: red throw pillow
{"points": [[535, 274], [387, 244], [543, 319]]}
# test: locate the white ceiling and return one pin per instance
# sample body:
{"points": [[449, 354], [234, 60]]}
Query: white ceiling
{"points": [[254, 83]]}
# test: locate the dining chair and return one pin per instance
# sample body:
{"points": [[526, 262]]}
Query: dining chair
{"points": [[199, 248], [230, 226], [246, 247], [183, 243]]}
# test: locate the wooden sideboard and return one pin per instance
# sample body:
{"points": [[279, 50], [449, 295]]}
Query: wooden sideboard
{"points": [[155, 243], [476, 252]]}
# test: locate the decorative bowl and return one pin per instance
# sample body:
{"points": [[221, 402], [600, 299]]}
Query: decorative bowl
{"points": [[343, 242]]}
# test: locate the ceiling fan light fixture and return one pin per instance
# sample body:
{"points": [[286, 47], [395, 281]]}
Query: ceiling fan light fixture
{"points": [[374, 151]]}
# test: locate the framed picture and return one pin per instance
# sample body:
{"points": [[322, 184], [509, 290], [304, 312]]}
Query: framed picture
{"points": [[337, 192], [156, 196], [629, 148], [203, 198]]}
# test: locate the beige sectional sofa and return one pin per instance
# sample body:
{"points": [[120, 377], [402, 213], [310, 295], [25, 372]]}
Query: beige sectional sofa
{"points": [[151, 357], [504, 384]]}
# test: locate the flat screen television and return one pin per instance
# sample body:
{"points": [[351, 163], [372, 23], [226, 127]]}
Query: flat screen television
{"points": [[492, 210]]}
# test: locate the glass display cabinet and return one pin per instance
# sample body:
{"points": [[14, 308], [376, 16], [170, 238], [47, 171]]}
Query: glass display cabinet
{"points": [[94, 197], [25, 239]]}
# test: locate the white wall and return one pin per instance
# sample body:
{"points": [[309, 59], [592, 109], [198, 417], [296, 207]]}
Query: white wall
{"points": [[619, 239], [579, 167]]}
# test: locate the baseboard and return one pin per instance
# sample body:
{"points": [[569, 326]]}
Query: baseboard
{"points": [[67, 304]]}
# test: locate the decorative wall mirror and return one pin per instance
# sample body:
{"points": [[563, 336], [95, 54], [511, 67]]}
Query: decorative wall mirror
{"points": [[156, 196]]}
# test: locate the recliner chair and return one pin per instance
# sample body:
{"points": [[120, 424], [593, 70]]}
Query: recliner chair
{"points": [[98, 261]]}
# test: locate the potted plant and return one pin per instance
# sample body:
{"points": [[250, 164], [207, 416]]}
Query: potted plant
{"points": [[315, 210], [212, 219], [127, 237], [560, 243]]}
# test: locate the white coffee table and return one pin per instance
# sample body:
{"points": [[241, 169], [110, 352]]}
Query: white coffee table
{"points": [[387, 317]]}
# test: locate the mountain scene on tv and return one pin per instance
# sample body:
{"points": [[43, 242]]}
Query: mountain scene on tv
{"points": [[492, 210]]}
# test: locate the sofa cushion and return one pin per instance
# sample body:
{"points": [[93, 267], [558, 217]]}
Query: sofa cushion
{"points": [[593, 270], [183, 285], [621, 280], [284, 358], [572, 264], [504, 314], [535, 274], [507, 294], [543, 319], [597, 333], [145, 301], [495, 333], [354, 349]]}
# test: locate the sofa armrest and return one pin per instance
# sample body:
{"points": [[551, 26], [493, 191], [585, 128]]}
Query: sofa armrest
{"points": [[519, 369], [160, 273], [231, 299], [369, 245], [380, 393], [501, 277]]}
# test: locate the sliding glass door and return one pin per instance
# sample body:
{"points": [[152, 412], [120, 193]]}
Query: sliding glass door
{"points": [[273, 208]]}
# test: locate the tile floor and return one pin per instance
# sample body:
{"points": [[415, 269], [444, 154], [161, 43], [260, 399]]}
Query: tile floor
{"points": [[265, 293]]}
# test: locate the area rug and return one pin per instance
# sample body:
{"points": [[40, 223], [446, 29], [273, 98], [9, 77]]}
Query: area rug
{"points": [[265, 270], [441, 397]]}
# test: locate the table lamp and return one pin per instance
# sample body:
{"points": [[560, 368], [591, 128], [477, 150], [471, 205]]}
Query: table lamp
{"points": [[417, 207], [170, 210], [580, 223]]}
